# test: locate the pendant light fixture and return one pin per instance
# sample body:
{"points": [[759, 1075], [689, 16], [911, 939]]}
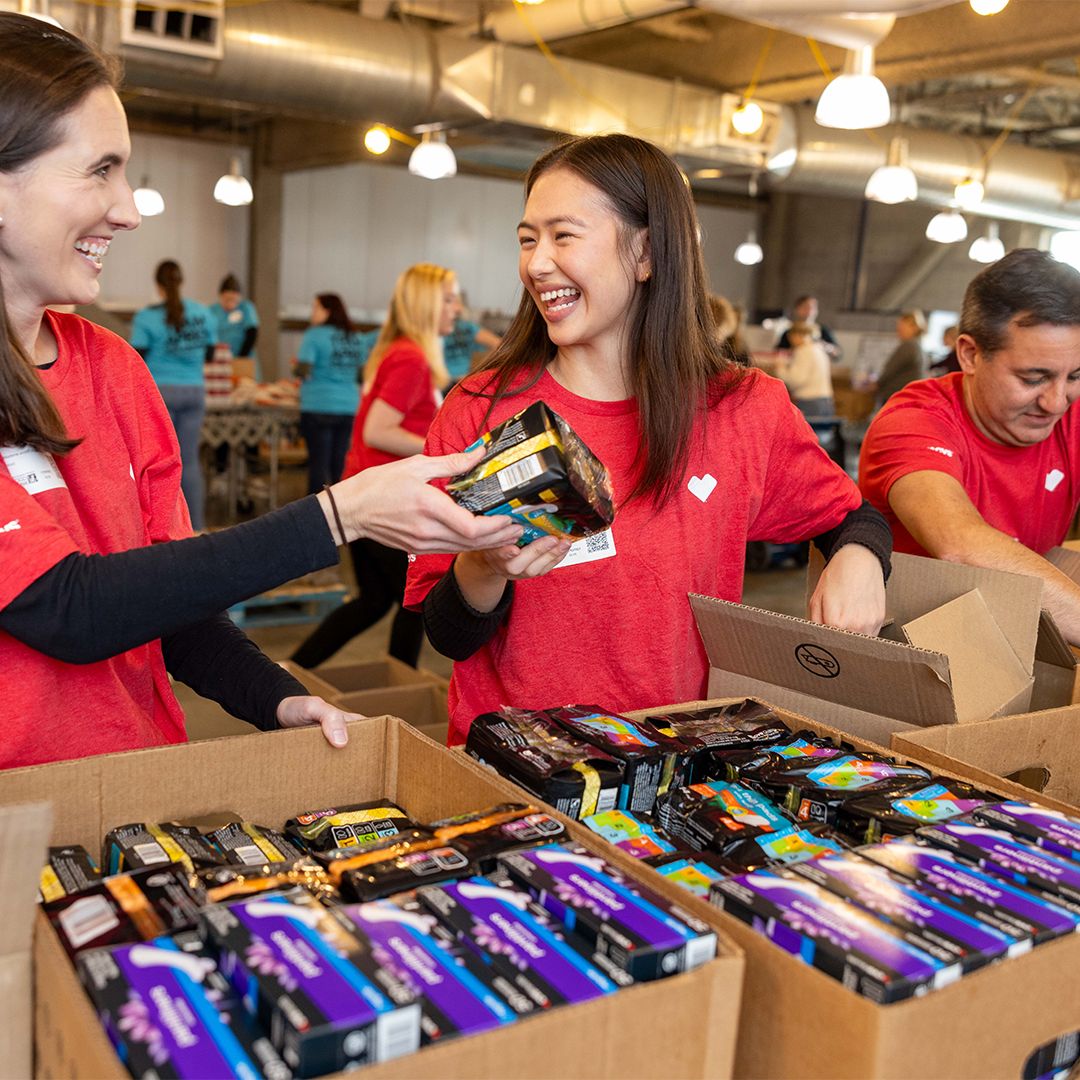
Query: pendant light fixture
{"points": [[748, 118], [148, 200], [749, 252], [947, 227], [376, 139], [856, 99], [893, 182], [988, 248], [988, 7], [233, 189], [969, 193], [433, 158]]}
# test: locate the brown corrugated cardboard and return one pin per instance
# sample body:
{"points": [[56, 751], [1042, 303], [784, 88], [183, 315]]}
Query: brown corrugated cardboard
{"points": [[310, 681], [684, 1026], [929, 667], [24, 836], [375, 674], [798, 1023], [998, 748], [422, 706]]}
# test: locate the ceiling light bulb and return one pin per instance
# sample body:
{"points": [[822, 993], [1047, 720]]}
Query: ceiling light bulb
{"points": [[893, 182], [948, 227], [988, 248], [432, 158], [749, 252], [148, 200], [377, 139], [233, 189], [988, 7], [748, 118], [969, 193], [856, 99]]}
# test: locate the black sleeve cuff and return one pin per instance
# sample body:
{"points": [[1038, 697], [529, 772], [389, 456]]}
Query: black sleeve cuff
{"points": [[454, 627], [864, 526]]}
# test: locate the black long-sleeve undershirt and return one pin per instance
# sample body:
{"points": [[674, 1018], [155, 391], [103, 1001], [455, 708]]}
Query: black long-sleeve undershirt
{"points": [[250, 334]]}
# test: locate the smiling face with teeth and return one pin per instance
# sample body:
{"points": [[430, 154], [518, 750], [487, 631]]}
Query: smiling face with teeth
{"points": [[62, 209], [582, 267]]}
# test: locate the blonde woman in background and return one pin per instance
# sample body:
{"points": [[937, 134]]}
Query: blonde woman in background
{"points": [[403, 382]]}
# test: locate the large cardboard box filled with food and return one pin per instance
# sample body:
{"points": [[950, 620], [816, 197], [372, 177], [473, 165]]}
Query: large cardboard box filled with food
{"points": [[873, 950], [142, 807]]}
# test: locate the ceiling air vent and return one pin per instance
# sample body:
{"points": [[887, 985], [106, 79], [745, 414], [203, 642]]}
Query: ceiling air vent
{"points": [[189, 27]]}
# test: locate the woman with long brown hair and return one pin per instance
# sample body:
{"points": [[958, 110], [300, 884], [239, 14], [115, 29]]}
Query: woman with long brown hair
{"points": [[615, 334], [104, 593]]}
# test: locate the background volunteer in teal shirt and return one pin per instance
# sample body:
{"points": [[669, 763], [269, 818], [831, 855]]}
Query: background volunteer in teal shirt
{"points": [[176, 338], [237, 321], [462, 342], [329, 362]]}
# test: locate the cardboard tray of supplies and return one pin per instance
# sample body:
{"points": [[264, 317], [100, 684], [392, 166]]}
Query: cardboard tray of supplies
{"points": [[682, 1026], [961, 644], [799, 1023]]}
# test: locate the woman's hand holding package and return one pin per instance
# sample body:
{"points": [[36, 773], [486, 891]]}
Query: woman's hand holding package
{"points": [[396, 505], [851, 592]]}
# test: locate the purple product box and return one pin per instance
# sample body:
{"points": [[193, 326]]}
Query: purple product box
{"points": [[453, 999], [317, 988], [832, 935], [1005, 856], [170, 1013], [1058, 833], [1015, 910], [637, 930], [503, 926], [936, 928]]}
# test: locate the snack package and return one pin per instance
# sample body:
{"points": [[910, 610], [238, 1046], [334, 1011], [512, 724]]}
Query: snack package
{"points": [[517, 939], [652, 763], [1055, 832], [312, 982], [132, 847], [341, 861], [401, 872], [869, 819], [695, 871], [832, 935], [243, 844], [532, 750], [230, 882], [637, 834], [1017, 911], [540, 474], [529, 830], [935, 927], [712, 817], [782, 848], [639, 931], [743, 765], [68, 870], [455, 998], [169, 1012], [136, 906], [347, 826]]}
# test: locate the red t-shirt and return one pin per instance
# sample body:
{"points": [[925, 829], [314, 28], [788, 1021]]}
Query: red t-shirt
{"points": [[1029, 493], [618, 630], [118, 489], [404, 382]]}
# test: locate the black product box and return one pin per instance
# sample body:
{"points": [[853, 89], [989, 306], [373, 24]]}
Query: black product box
{"points": [[347, 826], [404, 872], [640, 932], [68, 870], [555, 765], [1052, 830], [243, 844], [137, 906], [312, 982], [540, 473], [143, 844]]}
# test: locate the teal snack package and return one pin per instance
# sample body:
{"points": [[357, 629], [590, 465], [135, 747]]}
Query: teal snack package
{"points": [[716, 816], [889, 814], [539, 473], [637, 834]]}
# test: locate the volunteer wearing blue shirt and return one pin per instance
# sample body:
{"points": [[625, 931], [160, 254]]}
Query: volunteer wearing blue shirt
{"points": [[459, 345], [237, 321], [176, 338], [329, 362]]}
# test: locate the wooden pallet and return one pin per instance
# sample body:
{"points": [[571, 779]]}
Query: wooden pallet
{"points": [[288, 606]]}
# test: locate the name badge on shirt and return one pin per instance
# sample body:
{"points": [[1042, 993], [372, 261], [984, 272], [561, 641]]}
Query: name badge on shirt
{"points": [[34, 470], [236, 315], [600, 545]]}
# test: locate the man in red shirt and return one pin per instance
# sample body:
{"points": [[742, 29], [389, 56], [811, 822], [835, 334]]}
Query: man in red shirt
{"points": [[983, 467]]}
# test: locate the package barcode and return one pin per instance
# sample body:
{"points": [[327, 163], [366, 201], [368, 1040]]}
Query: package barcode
{"points": [[699, 951], [398, 1033], [88, 919], [250, 855], [600, 541], [519, 473], [151, 853]]}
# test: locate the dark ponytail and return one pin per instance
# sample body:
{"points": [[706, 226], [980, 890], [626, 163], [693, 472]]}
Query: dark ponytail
{"points": [[170, 277], [336, 312], [45, 73]]}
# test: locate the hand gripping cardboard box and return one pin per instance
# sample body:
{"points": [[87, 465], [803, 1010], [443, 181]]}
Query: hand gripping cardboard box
{"points": [[683, 1026], [962, 644], [798, 1023]]}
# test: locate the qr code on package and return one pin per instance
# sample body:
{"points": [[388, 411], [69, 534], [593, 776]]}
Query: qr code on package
{"points": [[600, 545]]}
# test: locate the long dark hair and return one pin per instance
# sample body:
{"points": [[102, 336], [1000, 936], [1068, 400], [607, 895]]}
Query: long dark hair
{"points": [[677, 367], [170, 277], [45, 73], [336, 315]]}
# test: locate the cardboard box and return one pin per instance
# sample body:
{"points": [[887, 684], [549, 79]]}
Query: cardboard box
{"points": [[988, 753], [376, 675], [797, 1022], [690, 1019], [962, 644], [421, 705]]}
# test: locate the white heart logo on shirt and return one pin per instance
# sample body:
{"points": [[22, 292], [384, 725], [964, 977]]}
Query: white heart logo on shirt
{"points": [[1053, 478], [701, 487]]}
